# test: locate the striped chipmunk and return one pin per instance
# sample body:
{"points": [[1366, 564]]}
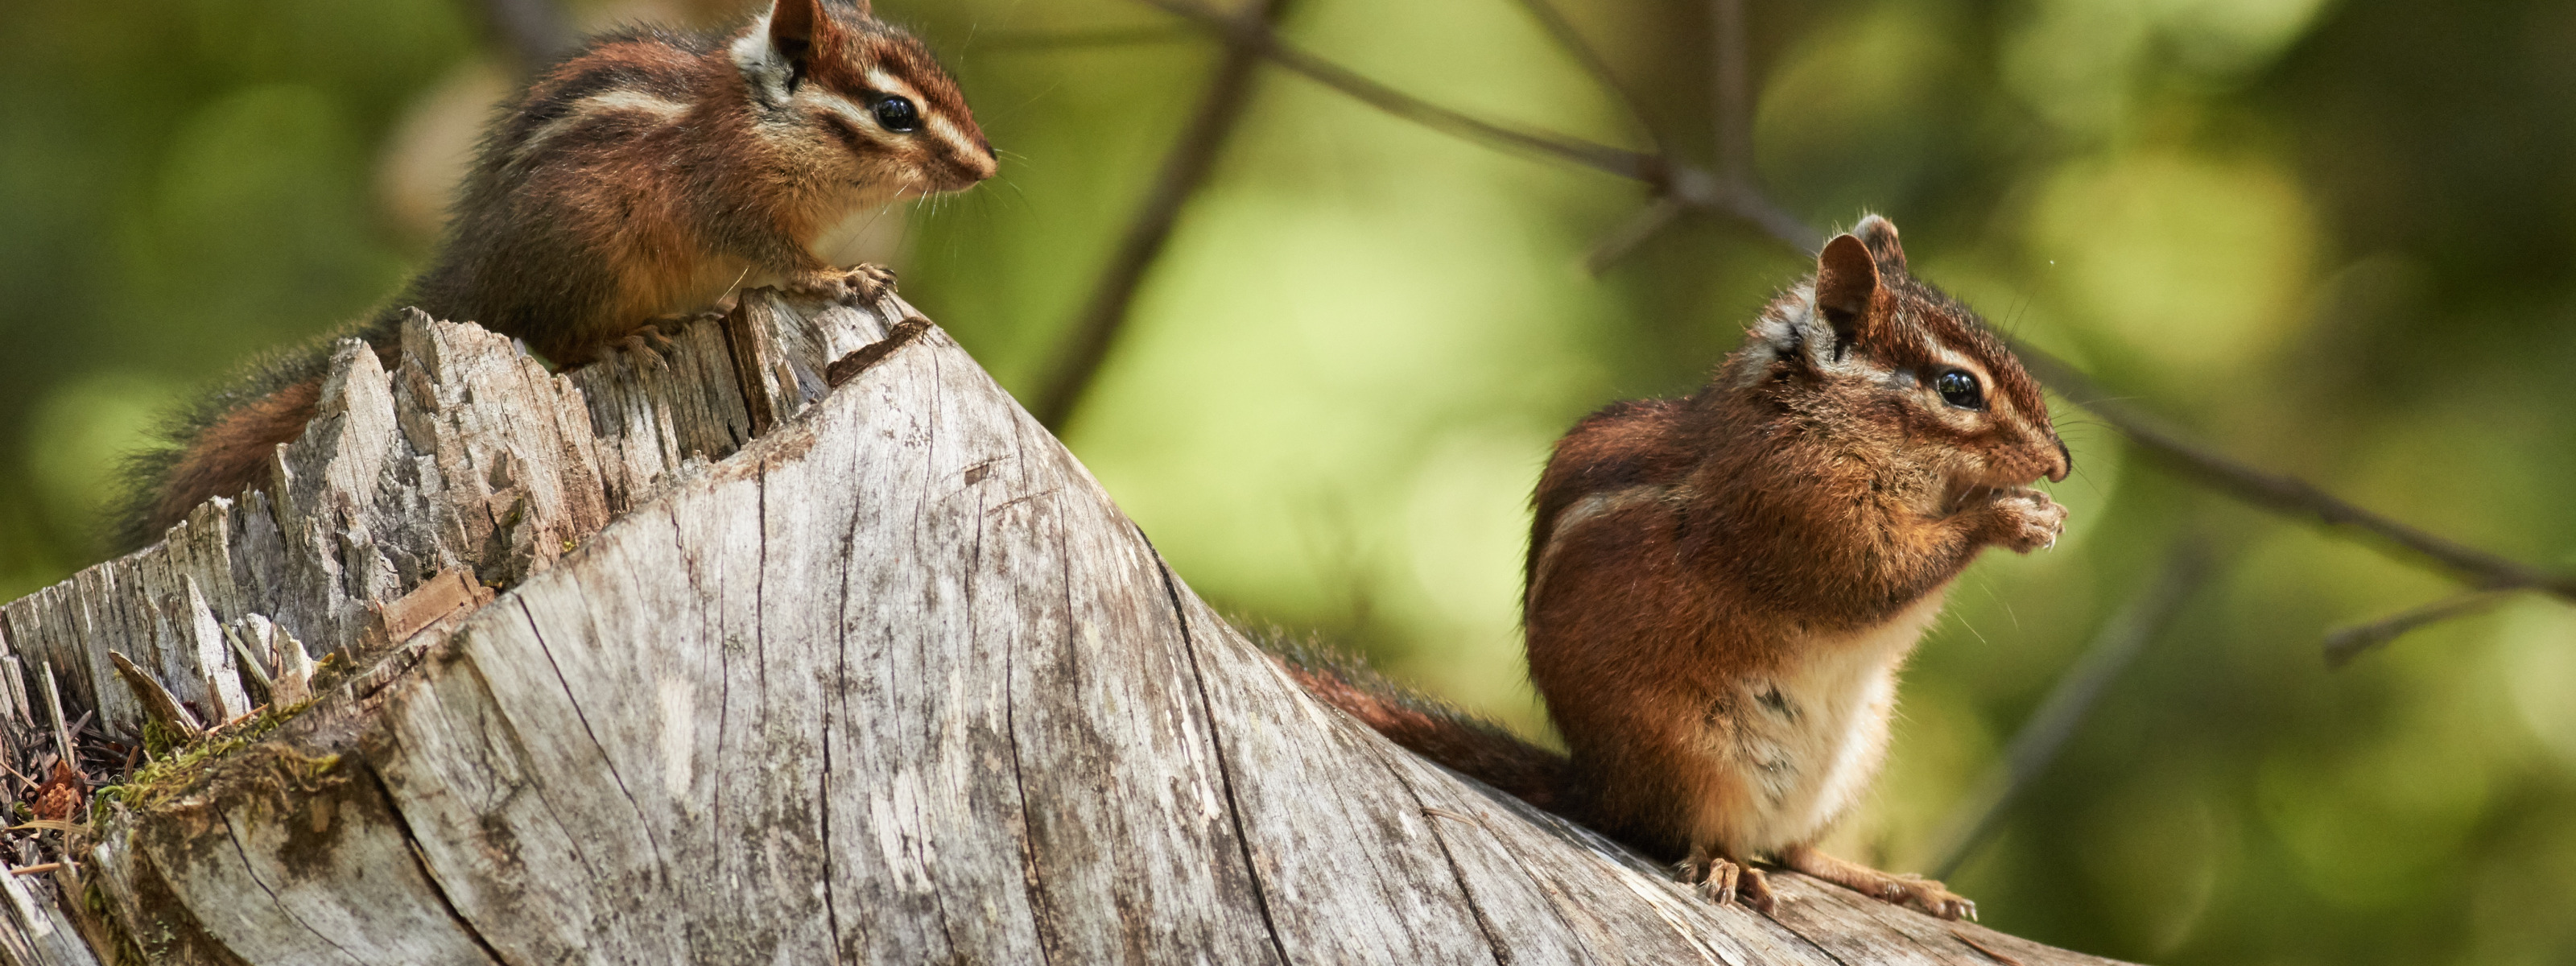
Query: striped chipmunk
{"points": [[640, 181], [1721, 588]]}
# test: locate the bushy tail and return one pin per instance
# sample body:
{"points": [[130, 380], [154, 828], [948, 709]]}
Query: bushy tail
{"points": [[219, 443], [1425, 725]]}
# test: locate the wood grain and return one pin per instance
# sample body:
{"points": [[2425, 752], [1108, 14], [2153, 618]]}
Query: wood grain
{"points": [[891, 681]]}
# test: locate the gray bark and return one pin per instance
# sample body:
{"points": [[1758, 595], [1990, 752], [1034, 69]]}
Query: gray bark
{"points": [[890, 680]]}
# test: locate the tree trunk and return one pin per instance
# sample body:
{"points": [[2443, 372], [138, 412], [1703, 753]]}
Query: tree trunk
{"points": [[810, 647]]}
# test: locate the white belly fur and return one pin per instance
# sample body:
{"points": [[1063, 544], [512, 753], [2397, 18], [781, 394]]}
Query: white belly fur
{"points": [[1843, 697]]}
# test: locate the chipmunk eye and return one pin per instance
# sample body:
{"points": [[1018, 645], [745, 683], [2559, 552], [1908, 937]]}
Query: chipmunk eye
{"points": [[1960, 389], [896, 114]]}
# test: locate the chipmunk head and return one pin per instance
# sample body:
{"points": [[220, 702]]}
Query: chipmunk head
{"points": [[866, 98], [1907, 370]]}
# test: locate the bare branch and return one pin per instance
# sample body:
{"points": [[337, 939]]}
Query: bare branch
{"points": [[535, 32], [1691, 186], [1701, 189], [1733, 104], [2345, 643], [2289, 495], [1078, 361], [1631, 233], [1571, 40], [2045, 733]]}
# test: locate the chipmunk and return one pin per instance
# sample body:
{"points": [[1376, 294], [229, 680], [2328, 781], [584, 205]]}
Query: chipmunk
{"points": [[644, 178], [1721, 588]]}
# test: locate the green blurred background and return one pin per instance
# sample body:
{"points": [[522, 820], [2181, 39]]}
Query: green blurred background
{"points": [[2330, 238]]}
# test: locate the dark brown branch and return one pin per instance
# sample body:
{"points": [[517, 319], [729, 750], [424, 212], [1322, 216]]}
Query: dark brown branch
{"points": [[2076, 691], [535, 32], [2289, 495], [2345, 643], [1184, 170]]}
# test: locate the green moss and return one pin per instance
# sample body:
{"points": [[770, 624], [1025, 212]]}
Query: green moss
{"points": [[174, 766]]}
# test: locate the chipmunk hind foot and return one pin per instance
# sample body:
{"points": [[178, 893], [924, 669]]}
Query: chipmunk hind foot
{"points": [[1904, 890]]}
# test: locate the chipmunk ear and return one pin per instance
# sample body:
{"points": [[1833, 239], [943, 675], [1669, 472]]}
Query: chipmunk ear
{"points": [[1846, 281], [793, 27], [1879, 236]]}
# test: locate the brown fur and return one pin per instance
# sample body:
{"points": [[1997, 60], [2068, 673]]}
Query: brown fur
{"points": [[643, 178], [1713, 581], [231, 456], [1429, 728]]}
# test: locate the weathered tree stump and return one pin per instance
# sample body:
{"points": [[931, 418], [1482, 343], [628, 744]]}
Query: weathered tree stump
{"points": [[810, 647]]}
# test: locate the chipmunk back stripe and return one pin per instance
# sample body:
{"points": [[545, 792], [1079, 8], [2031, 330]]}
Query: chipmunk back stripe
{"points": [[640, 180], [594, 107]]}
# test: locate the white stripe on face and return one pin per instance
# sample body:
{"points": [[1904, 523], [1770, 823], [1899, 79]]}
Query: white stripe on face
{"points": [[879, 79], [956, 140], [813, 95]]}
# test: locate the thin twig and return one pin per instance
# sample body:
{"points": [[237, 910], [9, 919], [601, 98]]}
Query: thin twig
{"points": [[1691, 186], [1702, 189], [1570, 39], [2289, 495], [535, 32], [1184, 170], [2345, 643], [2045, 733], [1631, 233]]}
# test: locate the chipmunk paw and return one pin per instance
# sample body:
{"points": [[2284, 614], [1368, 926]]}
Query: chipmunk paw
{"points": [[651, 347], [1722, 882], [866, 284], [2028, 519]]}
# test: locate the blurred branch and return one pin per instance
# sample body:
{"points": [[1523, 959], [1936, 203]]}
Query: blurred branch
{"points": [[1079, 359], [1733, 103], [1571, 39], [2289, 495], [535, 32], [1689, 186], [1696, 188], [2045, 733], [1616, 245], [2346, 643], [1731, 108]]}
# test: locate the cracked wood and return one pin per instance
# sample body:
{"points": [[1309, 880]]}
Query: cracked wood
{"points": [[893, 681]]}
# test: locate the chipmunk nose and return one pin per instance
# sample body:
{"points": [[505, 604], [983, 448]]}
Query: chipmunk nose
{"points": [[2065, 462]]}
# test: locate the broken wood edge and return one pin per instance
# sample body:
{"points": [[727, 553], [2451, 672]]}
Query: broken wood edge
{"points": [[324, 741]]}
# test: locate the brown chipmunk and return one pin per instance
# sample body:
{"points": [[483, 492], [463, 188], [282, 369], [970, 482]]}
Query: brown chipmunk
{"points": [[1720, 589], [644, 178]]}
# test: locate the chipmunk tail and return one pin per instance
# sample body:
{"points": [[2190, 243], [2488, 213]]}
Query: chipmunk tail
{"points": [[1425, 725]]}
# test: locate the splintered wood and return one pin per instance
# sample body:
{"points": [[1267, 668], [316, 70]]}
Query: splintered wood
{"points": [[891, 680]]}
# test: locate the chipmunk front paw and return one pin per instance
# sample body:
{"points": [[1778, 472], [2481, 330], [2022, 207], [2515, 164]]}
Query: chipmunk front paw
{"points": [[1723, 882], [2026, 519], [867, 284]]}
